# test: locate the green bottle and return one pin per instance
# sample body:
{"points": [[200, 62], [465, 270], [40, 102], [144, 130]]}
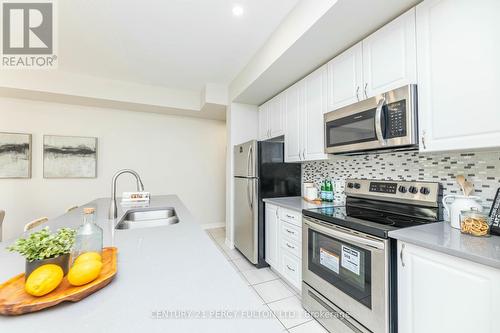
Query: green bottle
{"points": [[323, 191], [328, 190]]}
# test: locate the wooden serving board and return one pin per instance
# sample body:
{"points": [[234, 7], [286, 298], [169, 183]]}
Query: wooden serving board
{"points": [[14, 300]]}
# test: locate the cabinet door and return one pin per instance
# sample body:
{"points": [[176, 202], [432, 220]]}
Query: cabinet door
{"points": [[276, 116], [294, 104], [314, 108], [345, 78], [272, 236], [458, 74], [440, 293], [264, 121], [389, 56]]}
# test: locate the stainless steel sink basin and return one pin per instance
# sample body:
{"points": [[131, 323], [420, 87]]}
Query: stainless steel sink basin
{"points": [[148, 218]]}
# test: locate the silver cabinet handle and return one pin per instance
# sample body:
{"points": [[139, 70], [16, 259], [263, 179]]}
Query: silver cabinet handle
{"points": [[366, 94], [423, 140], [290, 246], [378, 122], [401, 255], [290, 269], [290, 216], [357, 93], [290, 232]]}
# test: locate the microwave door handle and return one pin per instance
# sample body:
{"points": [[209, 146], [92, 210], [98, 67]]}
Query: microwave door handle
{"points": [[378, 122]]}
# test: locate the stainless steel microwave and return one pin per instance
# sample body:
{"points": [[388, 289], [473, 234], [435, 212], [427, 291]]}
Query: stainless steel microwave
{"points": [[384, 122]]}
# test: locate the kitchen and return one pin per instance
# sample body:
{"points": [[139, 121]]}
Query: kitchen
{"points": [[385, 127]]}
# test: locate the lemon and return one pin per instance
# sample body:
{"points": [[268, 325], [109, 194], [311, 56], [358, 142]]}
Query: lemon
{"points": [[84, 272], [43, 280], [87, 256]]}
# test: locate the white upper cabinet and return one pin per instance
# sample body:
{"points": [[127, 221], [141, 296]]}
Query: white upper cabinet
{"points": [[458, 74], [263, 122], [383, 61], [272, 118], [389, 56], [294, 101], [314, 108], [345, 78], [305, 106], [277, 116]]}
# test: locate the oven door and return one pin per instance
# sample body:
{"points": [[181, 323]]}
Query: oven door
{"points": [[350, 269], [387, 121]]}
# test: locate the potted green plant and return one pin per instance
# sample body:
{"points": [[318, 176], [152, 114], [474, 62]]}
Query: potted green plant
{"points": [[43, 247]]}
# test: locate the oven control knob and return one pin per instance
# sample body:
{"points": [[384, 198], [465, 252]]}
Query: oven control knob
{"points": [[357, 186], [350, 185], [403, 189], [425, 191], [413, 190]]}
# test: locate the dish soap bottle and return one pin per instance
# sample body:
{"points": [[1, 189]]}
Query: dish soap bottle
{"points": [[88, 236]]}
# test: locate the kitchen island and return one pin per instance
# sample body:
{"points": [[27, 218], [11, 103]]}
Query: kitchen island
{"points": [[170, 279]]}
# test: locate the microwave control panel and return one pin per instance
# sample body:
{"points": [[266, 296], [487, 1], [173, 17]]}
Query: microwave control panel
{"points": [[396, 119]]}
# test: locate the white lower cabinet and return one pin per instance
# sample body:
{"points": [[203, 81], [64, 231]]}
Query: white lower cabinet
{"points": [[440, 293], [271, 235], [291, 269], [283, 243]]}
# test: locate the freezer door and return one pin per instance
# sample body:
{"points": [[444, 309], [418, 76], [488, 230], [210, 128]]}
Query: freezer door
{"points": [[245, 159], [246, 217]]}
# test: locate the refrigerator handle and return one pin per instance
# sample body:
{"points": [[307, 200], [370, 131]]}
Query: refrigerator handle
{"points": [[249, 160], [250, 195]]}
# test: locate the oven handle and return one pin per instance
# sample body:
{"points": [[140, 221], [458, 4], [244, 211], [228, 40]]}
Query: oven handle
{"points": [[379, 245], [378, 122]]}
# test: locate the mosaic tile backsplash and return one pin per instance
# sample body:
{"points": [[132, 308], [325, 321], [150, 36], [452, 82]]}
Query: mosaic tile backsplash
{"points": [[481, 168]]}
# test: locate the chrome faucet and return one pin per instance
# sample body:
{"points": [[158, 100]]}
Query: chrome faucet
{"points": [[113, 210]]}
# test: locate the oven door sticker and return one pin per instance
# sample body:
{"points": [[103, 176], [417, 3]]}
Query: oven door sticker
{"points": [[329, 260], [350, 259]]}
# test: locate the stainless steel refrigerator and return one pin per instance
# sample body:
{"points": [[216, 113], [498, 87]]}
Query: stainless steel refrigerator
{"points": [[259, 173]]}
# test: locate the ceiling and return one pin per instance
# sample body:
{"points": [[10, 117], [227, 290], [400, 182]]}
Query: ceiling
{"points": [[346, 23], [181, 44]]}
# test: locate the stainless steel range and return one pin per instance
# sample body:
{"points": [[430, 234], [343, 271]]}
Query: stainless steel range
{"points": [[349, 262]]}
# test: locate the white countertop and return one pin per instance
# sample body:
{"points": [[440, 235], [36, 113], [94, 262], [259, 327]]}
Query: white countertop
{"points": [[298, 203], [443, 238], [170, 268]]}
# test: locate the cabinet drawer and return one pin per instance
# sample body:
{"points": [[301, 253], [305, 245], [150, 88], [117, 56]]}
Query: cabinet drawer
{"points": [[291, 246], [292, 270], [290, 216], [291, 232]]}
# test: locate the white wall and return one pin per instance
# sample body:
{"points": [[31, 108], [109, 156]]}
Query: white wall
{"points": [[242, 126], [173, 155]]}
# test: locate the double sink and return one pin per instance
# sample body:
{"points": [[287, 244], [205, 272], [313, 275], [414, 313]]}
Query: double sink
{"points": [[148, 218]]}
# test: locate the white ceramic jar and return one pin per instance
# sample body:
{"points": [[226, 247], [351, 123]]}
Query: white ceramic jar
{"points": [[455, 204]]}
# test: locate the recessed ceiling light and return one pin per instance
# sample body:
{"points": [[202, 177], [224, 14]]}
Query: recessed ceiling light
{"points": [[237, 10]]}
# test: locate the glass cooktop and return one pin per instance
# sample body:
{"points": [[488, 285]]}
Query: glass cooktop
{"points": [[374, 217]]}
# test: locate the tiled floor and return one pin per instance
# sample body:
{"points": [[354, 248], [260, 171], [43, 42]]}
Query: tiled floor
{"points": [[281, 299]]}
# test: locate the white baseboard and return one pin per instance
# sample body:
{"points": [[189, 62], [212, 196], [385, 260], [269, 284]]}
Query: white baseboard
{"points": [[206, 226]]}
